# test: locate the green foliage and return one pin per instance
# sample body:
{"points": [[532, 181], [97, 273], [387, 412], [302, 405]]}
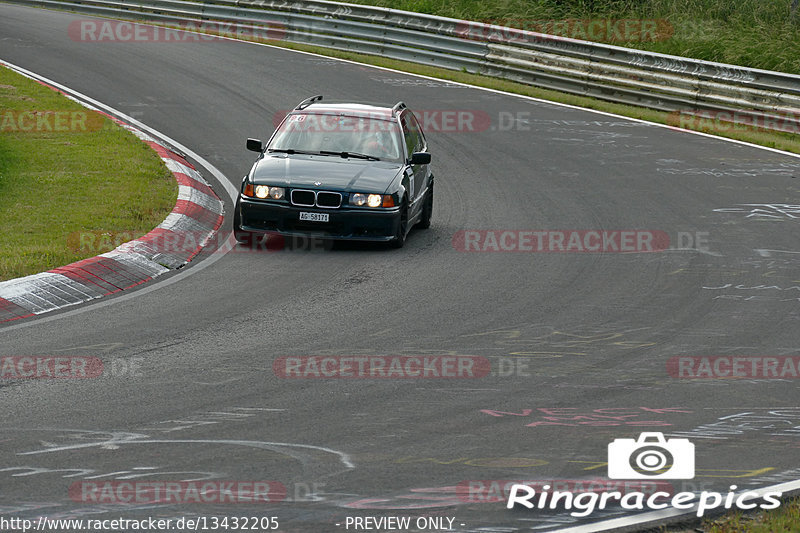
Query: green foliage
{"points": [[753, 33]]}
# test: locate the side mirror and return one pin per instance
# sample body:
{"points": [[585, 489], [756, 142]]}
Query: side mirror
{"points": [[420, 158], [255, 145]]}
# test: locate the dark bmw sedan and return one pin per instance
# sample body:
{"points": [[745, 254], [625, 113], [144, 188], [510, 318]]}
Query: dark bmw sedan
{"points": [[339, 171]]}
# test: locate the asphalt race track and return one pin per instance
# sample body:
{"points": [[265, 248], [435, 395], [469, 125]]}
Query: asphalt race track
{"points": [[579, 343]]}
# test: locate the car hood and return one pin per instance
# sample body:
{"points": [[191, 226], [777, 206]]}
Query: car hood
{"points": [[332, 172]]}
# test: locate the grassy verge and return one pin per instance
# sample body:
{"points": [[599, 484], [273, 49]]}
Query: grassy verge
{"points": [[754, 33], [785, 519], [66, 170]]}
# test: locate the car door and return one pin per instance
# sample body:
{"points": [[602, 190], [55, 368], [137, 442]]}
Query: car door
{"points": [[415, 142]]}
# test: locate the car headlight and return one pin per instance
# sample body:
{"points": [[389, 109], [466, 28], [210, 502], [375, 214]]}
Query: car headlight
{"points": [[372, 200], [265, 191]]}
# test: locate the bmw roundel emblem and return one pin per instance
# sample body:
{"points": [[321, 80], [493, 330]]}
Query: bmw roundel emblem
{"points": [[317, 183]]}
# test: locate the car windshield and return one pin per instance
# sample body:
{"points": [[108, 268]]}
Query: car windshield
{"points": [[364, 137]]}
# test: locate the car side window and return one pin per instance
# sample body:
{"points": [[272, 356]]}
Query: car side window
{"points": [[422, 145], [411, 133]]}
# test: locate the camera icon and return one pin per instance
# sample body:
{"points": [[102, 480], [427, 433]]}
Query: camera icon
{"points": [[651, 456]]}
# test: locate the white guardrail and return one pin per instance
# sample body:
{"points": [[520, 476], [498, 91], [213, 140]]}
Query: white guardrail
{"points": [[667, 83]]}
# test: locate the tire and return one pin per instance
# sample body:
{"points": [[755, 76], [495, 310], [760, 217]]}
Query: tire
{"points": [[427, 211], [402, 228]]}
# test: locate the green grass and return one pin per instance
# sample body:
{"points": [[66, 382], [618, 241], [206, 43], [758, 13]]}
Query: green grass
{"points": [[785, 519], [753, 33], [93, 176]]}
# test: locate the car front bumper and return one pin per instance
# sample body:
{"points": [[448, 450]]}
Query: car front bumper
{"points": [[358, 224]]}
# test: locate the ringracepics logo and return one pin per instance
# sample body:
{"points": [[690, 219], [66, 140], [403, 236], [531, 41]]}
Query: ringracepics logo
{"points": [[650, 457]]}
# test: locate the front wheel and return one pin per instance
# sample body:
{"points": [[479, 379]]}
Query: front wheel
{"points": [[427, 211], [402, 228]]}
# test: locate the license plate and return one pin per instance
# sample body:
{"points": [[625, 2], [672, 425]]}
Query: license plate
{"points": [[315, 217]]}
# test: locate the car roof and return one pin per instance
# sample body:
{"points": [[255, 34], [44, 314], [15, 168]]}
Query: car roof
{"points": [[350, 109]]}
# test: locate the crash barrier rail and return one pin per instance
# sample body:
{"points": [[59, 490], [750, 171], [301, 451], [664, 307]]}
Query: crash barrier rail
{"points": [[729, 93]]}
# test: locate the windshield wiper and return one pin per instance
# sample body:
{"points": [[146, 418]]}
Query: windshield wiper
{"points": [[290, 151], [350, 154]]}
